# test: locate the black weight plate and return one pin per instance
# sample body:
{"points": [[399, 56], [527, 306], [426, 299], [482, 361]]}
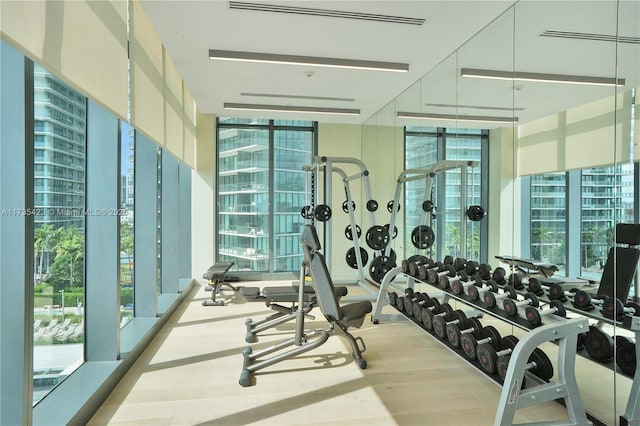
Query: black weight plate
{"points": [[377, 237], [345, 206], [475, 213], [544, 367], [453, 335], [515, 280], [395, 230], [492, 333], [440, 327], [349, 234], [487, 357], [428, 206], [626, 358], [306, 212], [599, 345], [393, 297], [351, 260], [322, 213], [372, 205], [422, 237], [390, 206], [468, 344], [379, 268]]}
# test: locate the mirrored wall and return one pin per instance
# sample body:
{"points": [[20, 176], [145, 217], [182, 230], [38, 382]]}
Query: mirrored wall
{"points": [[543, 103]]}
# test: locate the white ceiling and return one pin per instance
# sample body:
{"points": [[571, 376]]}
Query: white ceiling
{"points": [[188, 29]]}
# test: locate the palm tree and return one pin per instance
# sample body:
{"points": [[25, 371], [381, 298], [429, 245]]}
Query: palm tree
{"points": [[43, 241]]}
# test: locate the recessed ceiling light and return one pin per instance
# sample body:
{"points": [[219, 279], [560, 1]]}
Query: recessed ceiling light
{"points": [[285, 96], [270, 58]]}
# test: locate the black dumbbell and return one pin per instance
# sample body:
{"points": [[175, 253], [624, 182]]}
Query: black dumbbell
{"points": [[444, 310], [423, 270], [414, 268], [556, 292], [475, 291], [535, 286], [440, 323], [393, 298], [615, 309], [534, 315], [455, 331], [511, 306], [599, 345], [433, 275], [416, 260], [499, 275], [410, 296], [488, 354], [469, 343], [471, 268], [484, 270], [491, 299], [515, 281], [584, 300], [424, 303], [459, 283], [538, 364], [626, 355]]}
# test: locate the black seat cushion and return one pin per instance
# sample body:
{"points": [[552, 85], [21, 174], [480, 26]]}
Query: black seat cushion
{"points": [[355, 311]]}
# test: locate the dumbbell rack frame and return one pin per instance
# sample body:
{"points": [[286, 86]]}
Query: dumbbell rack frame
{"points": [[564, 331], [632, 411]]}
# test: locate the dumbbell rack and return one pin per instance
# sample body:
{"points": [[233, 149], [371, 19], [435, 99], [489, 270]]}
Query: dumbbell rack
{"points": [[564, 332], [632, 411]]}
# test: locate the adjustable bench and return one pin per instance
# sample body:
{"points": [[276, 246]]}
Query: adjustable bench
{"points": [[273, 296], [216, 277], [340, 318]]}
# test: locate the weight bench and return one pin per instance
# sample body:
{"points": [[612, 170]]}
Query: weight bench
{"points": [[216, 277], [273, 297], [340, 318], [529, 267]]}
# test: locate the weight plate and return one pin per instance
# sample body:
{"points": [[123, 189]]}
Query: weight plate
{"points": [[377, 237], [599, 345], [379, 268], [351, 259], [395, 230], [390, 206], [306, 212], [372, 205], [475, 213], [626, 358], [349, 234], [487, 357], [322, 213], [422, 237], [428, 206], [345, 206]]}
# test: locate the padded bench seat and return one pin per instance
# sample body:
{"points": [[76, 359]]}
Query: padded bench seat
{"points": [[283, 293]]}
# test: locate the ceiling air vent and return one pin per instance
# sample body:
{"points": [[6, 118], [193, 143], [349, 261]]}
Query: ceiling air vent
{"points": [[263, 7], [589, 36]]}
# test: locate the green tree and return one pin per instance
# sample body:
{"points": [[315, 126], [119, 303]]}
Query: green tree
{"points": [[67, 268], [44, 240]]}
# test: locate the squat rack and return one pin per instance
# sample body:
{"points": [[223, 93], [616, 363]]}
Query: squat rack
{"points": [[429, 174], [327, 166]]}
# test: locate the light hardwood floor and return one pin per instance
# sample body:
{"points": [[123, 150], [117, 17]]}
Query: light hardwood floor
{"points": [[189, 376]]}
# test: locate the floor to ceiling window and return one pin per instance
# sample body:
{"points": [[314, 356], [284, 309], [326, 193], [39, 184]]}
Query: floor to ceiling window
{"points": [[424, 147], [261, 191], [59, 201], [127, 196]]}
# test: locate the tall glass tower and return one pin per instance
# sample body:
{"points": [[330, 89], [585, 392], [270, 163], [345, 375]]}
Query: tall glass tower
{"points": [[59, 151]]}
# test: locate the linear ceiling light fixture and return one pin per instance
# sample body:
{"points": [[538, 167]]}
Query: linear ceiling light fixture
{"points": [[548, 78], [285, 96], [453, 117], [288, 108], [262, 7], [591, 36], [270, 58]]}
